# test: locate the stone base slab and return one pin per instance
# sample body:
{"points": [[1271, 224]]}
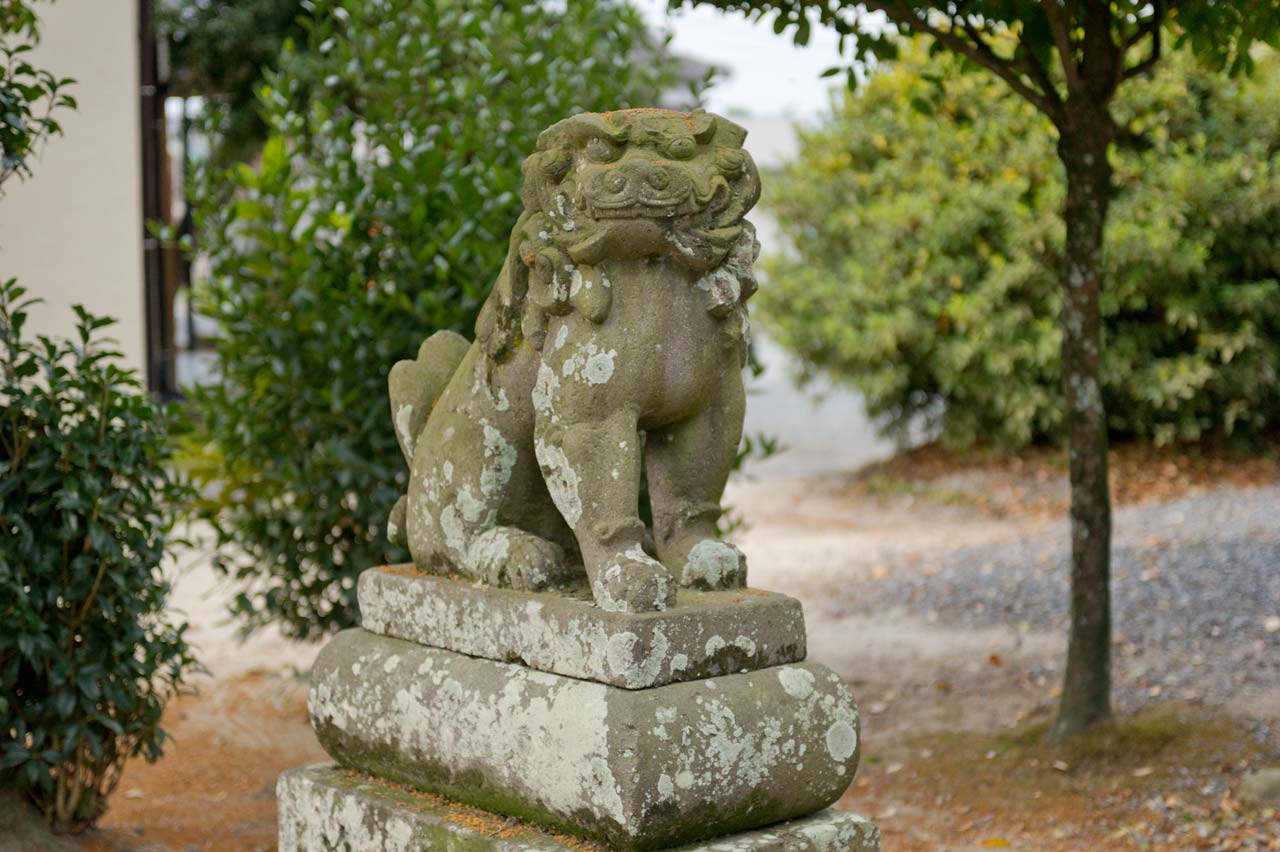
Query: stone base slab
{"points": [[636, 769], [327, 809], [706, 634]]}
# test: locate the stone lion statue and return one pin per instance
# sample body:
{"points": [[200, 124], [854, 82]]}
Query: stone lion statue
{"points": [[615, 336]]}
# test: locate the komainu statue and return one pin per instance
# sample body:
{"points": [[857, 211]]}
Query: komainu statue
{"points": [[614, 336]]}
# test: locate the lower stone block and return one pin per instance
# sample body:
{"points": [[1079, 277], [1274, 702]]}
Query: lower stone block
{"points": [[327, 809], [636, 769]]}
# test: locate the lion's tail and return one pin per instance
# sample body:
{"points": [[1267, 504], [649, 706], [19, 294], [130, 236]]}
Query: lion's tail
{"points": [[414, 386]]}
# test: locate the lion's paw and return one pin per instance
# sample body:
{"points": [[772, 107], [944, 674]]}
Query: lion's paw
{"points": [[714, 564], [515, 559], [633, 581]]}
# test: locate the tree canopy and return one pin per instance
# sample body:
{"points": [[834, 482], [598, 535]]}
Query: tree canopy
{"points": [[923, 216], [1045, 52]]}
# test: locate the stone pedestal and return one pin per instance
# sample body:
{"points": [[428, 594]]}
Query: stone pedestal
{"points": [[694, 728], [705, 635]]}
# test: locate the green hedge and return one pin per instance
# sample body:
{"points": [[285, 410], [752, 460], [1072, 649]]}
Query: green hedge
{"points": [[923, 214]]}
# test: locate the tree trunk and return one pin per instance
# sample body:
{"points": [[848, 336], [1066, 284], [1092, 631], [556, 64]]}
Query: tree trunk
{"points": [[1086, 688]]}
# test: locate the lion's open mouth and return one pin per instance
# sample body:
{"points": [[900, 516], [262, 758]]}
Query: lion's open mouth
{"points": [[639, 207], [632, 212]]}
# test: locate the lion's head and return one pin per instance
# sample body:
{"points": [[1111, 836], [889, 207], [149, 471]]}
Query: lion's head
{"points": [[625, 184], [641, 182]]}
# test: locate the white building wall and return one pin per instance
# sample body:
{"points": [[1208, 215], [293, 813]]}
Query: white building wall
{"points": [[72, 232]]}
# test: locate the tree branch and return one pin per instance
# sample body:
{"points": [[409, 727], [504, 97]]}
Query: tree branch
{"points": [[1145, 28], [1041, 76], [1102, 60], [1060, 23], [1027, 64], [1155, 26], [979, 51]]}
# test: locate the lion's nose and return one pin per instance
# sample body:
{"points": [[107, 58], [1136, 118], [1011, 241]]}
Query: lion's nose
{"points": [[659, 179], [616, 182]]}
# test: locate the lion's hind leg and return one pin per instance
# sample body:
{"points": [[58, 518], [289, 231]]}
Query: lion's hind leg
{"points": [[457, 530], [473, 489]]}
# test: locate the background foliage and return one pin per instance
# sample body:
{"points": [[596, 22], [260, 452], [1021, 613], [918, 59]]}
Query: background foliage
{"points": [[379, 213], [88, 657], [924, 217], [224, 50]]}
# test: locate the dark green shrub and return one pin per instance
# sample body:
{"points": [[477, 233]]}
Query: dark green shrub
{"points": [[379, 213], [87, 656], [924, 217]]}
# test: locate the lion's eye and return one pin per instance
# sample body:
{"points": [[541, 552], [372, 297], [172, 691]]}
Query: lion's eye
{"points": [[601, 150], [681, 148], [557, 164]]}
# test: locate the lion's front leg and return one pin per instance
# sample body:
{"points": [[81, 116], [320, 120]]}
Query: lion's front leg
{"points": [[689, 463], [590, 458]]}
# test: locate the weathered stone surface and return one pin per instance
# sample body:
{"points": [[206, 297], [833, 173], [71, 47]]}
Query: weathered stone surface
{"points": [[613, 339], [639, 769], [706, 634], [325, 809]]}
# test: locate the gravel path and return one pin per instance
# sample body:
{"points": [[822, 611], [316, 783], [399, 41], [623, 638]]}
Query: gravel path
{"points": [[1196, 585]]}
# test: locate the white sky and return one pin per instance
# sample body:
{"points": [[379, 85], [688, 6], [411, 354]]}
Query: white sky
{"points": [[770, 77]]}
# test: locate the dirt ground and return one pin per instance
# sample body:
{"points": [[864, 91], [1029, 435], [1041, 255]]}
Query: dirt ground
{"points": [[954, 757], [215, 787]]}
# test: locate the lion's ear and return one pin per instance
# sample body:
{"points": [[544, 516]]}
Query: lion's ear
{"points": [[580, 127], [727, 133], [549, 280], [588, 124], [704, 127]]}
